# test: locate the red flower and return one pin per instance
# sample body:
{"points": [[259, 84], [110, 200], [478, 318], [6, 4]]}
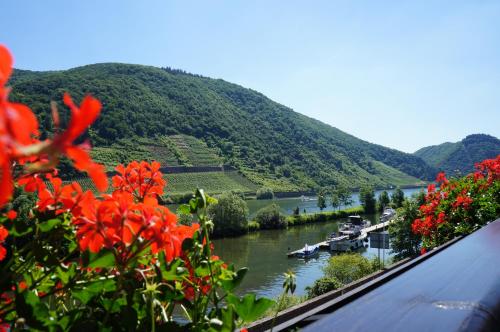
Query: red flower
{"points": [[431, 188], [423, 251], [81, 118], [18, 127], [3, 235], [141, 179], [441, 178], [11, 214], [462, 201], [441, 218]]}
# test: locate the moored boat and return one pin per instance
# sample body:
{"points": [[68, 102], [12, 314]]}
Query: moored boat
{"points": [[350, 236], [308, 251], [387, 214]]}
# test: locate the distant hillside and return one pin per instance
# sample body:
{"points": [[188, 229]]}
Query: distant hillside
{"points": [[185, 119], [460, 157]]}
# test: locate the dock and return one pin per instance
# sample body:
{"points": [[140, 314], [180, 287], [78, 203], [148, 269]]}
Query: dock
{"points": [[325, 245]]}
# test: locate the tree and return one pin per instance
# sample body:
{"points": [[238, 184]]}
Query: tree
{"points": [[345, 195], [383, 200], [229, 215], [404, 242], [270, 217], [367, 199], [321, 201], [398, 197], [265, 193], [335, 200]]}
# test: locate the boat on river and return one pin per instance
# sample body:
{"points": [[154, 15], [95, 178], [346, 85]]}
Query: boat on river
{"points": [[387, 214], [350, 236], [308, 251]]}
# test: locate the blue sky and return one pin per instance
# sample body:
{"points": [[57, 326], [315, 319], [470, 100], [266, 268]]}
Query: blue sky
{"points": [[404, 74]]}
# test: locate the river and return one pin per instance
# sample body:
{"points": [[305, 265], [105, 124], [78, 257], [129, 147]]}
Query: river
{"points": [[264, 252]]}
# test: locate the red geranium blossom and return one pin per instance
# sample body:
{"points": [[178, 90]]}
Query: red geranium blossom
{"points": [[3, 235]]}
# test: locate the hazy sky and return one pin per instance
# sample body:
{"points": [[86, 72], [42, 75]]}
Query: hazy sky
{"points": [[404, 74]]}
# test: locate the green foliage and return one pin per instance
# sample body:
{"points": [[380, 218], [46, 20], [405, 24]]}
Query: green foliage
{"points": [[459, 158], [367, 199], [270, 217], [397, 198], [253, 226], [307, 218], [207, 121], [404, 242], [346, 268], [344, 194], [322, 285], [265, 193], [383, 200], [321, 201], [229, 215], [335, 200]]}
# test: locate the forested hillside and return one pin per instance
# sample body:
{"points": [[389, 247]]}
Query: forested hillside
{"points": [[147, 110], [459, 158]]}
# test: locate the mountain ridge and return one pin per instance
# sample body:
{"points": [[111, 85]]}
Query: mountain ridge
{"points": [[268, 142], [456, 158]]}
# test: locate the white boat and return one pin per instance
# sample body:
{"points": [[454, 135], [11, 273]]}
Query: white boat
{"points": [[387, 214], [308, 251], [350, 236]]}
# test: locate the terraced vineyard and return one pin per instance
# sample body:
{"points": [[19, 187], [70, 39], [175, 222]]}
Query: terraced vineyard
{"points": [[212, 182], [196, 151], [182, 183]]}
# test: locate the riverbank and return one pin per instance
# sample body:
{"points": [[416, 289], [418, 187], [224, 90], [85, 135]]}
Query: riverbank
{"points": [[308, 218]]}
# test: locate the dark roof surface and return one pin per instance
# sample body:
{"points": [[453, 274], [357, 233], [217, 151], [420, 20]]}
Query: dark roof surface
{"points": [[457, 289]]}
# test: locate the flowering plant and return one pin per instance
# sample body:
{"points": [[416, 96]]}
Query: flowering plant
{"points": [[460, 205], [71, 259]]}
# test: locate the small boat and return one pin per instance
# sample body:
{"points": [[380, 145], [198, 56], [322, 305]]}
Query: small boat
{"points": [[307, 251], [387, 214]]}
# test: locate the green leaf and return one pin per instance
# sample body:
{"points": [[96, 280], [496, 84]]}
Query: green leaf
{"points": [[89, 291], [184, 209], [49, 225], [248, 308], [230, 285], [172, 271], [104, 258]]}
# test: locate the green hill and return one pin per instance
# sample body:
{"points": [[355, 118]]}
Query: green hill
{"points": [[460, 157], [184, 119]]}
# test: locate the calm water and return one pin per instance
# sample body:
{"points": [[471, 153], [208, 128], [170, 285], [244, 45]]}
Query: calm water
{"points": [[288, 204], [264, 253]]}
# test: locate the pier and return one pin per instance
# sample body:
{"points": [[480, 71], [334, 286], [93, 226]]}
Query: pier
{"points": [[325, 245]]}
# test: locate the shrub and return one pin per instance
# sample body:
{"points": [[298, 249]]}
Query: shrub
{"points": [[265, 193], [229, 215], [270, 217], [253, 226], [322, 285], [347, 268]]}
